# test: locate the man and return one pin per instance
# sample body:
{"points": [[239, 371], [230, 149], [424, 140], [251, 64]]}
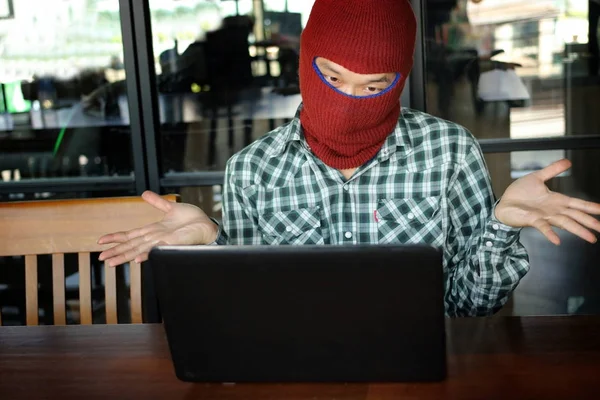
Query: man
{"points": [[352, 167]]}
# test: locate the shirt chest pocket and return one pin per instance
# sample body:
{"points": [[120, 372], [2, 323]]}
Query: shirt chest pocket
{"points": [[410, 220], [300, 226]]}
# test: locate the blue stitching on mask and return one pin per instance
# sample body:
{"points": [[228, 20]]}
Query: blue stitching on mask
{"points": [[320, 75]]}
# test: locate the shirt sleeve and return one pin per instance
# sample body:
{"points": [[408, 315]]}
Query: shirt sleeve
{"points": [[483, 258], [240, 218]]}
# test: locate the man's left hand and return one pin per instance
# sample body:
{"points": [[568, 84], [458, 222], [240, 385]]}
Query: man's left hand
{"points": [[529, 202]]}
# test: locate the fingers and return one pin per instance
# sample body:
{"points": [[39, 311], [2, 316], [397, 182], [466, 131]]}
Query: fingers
{"points": [[568, 224], [583, 219], [131, 254], [144, 256], [141, 258], [545, 228], [118, 237], [553, 170], [134, 250], [157, 202], [582, 205], [122, 237], [123, 252]]}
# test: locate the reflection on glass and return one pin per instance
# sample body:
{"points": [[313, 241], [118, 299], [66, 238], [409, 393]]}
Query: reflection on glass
{"points": [[505, 168], [563, 279], [526, 162], [508, 69], [63, 104], [227, 73]]}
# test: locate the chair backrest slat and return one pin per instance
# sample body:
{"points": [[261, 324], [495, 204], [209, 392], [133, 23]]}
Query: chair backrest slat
{"points": [[85, 289], [110, 286], [58, 288], [135, 277], [59, 227], [31, 290]]}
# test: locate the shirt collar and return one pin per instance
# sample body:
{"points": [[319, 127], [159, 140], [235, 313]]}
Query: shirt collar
{"points": [[293, 132], [400, 138]]}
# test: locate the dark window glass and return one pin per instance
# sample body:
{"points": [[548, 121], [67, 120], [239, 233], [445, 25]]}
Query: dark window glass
{"points": [[508, 69], [226, 75], [63, 98], [563, 279]]}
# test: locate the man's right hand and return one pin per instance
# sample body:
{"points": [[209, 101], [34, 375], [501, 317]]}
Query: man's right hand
{"points": [[183, 224]]}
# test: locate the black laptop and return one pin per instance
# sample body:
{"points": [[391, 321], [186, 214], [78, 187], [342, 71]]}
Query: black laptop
{"points": [[362, 313]]}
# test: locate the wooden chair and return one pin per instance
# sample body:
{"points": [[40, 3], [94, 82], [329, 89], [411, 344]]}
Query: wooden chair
{"points": [[59, 227]]}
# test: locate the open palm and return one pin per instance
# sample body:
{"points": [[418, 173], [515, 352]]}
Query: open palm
{"points": [[529, 202], [183, 224]]}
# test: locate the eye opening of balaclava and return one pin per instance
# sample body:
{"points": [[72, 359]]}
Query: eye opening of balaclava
{"points": [[384, 91], [365, 37]]}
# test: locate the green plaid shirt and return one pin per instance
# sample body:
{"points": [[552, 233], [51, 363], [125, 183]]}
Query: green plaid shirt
{"points": [[428, 184]]}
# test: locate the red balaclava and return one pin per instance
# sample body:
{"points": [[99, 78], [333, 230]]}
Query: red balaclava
{"points": [[365, 37]]}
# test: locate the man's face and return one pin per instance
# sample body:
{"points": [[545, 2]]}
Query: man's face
{"points": [[351, 83]]}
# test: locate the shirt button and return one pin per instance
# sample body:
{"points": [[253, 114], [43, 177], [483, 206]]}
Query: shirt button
{"points": [[492, 236], [489, 244], [411, 216], [289, 229], [496, 226], [348, 235], [346, 188]]}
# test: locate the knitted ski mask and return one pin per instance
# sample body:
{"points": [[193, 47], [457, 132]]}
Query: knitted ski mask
{"points": [[365, 37]]}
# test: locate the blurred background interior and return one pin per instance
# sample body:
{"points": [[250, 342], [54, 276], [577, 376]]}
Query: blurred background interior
{"points": [[111, 97]]}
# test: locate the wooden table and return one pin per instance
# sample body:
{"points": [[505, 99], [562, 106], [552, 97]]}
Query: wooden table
{"points": [[489, 358]]}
